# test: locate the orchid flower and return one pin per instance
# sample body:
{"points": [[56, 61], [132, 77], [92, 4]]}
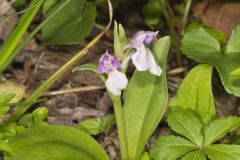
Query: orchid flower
{"points": [[142, 56], [116, 80]]}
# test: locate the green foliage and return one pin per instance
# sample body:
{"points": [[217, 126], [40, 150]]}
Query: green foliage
{"points": [[220, 127], [223, 152], [7, 49], [54, 142], [4, 100], [180, 123], [185, 123], [142, 115], [76, 22], [171, 148], [94, 126], [204, 48], [195, 155], [34, 119], [195, 92]]}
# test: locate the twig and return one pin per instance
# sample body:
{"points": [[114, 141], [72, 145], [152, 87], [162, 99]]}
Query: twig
{"points": [[74, 90]]}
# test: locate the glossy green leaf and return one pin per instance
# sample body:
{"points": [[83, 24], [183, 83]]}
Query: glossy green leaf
{"points": [[76, 22], [208, 51], [146, 101], [171, 148], [55, 143], [186, 123], [107, 122], [195, 92], [199, 43], [223, 152], [195, 155], [219, 128]]}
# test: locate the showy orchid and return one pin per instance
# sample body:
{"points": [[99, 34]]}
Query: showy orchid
{"points": [[116, 80], [142, 56]]}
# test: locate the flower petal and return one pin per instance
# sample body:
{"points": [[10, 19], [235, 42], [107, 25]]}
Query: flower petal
{"points": [[153, 67], [116, 82], [138, 39], [139, 59]]}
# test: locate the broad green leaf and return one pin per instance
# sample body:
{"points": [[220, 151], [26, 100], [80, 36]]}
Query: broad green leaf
{"points": [[186, 123], [226, 62], [55, 143], [195, 155], [171, 148], [11, 87], [146, 100], [223, 152], [219, 128], [8, 130], [195, 92], [90, 126], [76, 22], [49, 4], [199, 43]]}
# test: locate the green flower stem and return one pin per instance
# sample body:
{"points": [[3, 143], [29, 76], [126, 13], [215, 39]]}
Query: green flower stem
{"points": [[118, 109], [186, 13]]}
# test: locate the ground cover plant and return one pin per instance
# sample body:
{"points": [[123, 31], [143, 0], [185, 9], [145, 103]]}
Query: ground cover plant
{"points": [[164, 80]]}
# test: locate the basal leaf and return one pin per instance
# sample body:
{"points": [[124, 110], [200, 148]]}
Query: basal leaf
{"points": [[90, 126], [199, 43], [219, 128], [55, 143], [171, 148], [76, 22], [226, 62], [4, 147], [195, 92], [195, 155], [223, 152], [186, 123], [146, 101]]}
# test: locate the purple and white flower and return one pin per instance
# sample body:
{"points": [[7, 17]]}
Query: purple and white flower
{"points": [[142, 56], [116, 80]]}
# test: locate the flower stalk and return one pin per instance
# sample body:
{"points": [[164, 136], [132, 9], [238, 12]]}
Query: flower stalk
{"points": [[118, 109]]}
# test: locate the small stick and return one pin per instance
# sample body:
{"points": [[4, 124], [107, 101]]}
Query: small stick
{"points": [[176, 71], [74, 90]]}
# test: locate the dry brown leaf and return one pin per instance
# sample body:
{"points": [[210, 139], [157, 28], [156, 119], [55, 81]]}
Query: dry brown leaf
{"points": [[223, 16]]}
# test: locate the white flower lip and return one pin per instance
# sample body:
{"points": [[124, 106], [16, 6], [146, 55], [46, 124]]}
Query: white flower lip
{"points": [[116, 82]]}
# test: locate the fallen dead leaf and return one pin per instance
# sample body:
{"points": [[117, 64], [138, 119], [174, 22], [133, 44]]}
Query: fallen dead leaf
{"points": [[219, 15]]}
